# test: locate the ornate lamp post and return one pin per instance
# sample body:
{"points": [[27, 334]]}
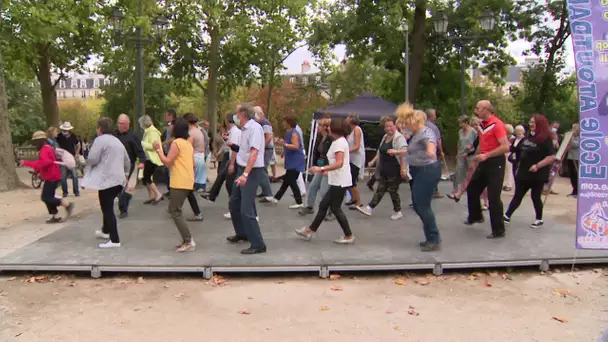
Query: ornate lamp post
{"points": [[159, 26], [440, 25]]}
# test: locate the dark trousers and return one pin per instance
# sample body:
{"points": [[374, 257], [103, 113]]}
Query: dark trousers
{"points": [[424, 183], [124, 198], [390, 184], [242, 207], [106, 201], [290, 180], [573, 174], [48, 197], [193, 203], [65, 172], [332, 200], [521, 189], [222, 176], [265, 184], [489, 174]]}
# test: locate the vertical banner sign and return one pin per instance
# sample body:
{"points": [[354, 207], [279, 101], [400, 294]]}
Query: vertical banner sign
{"points": [[589, 28]]}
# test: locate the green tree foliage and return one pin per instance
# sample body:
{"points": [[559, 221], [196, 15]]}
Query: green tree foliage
{"points": [[24, 109], [42, 37], [82, 116]]}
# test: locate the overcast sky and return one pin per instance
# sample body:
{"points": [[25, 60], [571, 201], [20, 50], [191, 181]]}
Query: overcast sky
{"points": [[294, 62]]}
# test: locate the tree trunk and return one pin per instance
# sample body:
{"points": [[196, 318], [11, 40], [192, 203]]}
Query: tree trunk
{"points": [[212, 98], [8, 175], [269, 98], [47, 90], [418, 44]]}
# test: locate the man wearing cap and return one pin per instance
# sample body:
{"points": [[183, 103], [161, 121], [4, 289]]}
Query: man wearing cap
{"points": [[268, 150], [68, 141], [133, 146]]}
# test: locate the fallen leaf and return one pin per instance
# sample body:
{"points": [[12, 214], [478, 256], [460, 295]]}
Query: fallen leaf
{"points": [[412, 311], [472, 277], [324, 308], [397, 328], [11, 279], [557, 270], [136, 309], [561, 292], [486, 283], [597, 270], [244, 312], [141, 280], [42, 279], [476, 274], [55, 293], [493, 274], [166, 286], [422, 282], [506, 276], [72, 284], [280, 282], [400, 281], [249, 297], [560, 319], [178, 295], [388, 312], [334, 276], [218, 280], [337, 288], [19, 334]]}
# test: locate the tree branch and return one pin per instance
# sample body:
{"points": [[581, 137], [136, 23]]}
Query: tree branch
{"points": [[61, 76], [200, 85]]}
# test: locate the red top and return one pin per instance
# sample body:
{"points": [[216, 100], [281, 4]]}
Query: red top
{"points": [[45, 165], [491, 130]]}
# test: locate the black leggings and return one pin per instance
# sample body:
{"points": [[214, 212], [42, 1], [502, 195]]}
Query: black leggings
{"points": [[48, 196], [149, 168], [573, 173], [333, 199], [106, 201], [521, 188], [290, 180]]}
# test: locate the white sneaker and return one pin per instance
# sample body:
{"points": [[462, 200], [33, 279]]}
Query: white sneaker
{"points": [[344, 241], [271, 199], [537, 224], [100, 235], [296, 206], [109, 244], [367, 210], [397, 215], [257, 218], [227, 216]]}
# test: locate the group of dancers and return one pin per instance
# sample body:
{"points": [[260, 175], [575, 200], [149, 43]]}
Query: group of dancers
{"points": [[408, 152]]}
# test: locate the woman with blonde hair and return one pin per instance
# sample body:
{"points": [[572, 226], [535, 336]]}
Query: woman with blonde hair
{"points": [[151, 135], [51, 134], [425, 170]]}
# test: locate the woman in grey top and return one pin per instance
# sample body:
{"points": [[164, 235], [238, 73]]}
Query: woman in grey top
{"points": [[425, 170], [466, 138], [107, 171], [573, 153], [356, 143]]}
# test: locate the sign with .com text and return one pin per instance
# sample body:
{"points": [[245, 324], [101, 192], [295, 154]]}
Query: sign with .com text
{"points": [[589, 28]]}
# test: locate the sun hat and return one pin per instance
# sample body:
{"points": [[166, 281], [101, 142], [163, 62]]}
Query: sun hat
{"points": [[66, 126], [38, 135]]}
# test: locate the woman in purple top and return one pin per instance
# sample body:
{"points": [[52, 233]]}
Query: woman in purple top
{"points": [[294, 164]]}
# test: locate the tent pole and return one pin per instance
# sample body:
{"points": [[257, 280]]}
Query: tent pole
{"points": [[311, 142]]}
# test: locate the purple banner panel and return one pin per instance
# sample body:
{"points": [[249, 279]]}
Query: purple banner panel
{"points": [[589, 28]]}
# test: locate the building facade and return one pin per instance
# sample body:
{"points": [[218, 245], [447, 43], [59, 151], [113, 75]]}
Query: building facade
{"points": [[80, 86]]}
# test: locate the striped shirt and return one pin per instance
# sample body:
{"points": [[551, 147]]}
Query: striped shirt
{"points": [[417, 155]]}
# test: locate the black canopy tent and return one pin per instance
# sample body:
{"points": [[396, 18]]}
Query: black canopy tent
{"points": [[370, 108]]}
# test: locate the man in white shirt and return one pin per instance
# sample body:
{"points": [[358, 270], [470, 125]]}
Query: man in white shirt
{"points": [[249, 168]]}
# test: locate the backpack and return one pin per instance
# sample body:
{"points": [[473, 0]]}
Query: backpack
{"points": [[64, 158]]}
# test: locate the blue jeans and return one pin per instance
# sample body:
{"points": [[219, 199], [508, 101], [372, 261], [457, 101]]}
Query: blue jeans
{"points": [[425, 181], [242, 207], [64, 180], [317, 185], [265, 183]]}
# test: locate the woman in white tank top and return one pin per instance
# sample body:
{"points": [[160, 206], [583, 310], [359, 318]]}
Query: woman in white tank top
{"points": [[356, 144]]}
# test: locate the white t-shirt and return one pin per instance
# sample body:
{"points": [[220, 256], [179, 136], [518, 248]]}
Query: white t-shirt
{"points": [[234, 136], [340, 177]]}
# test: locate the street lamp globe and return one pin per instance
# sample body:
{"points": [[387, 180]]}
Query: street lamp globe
{"points": [[440, 23], [487, 20], [116, 18], [160, 24], [404, 27]]}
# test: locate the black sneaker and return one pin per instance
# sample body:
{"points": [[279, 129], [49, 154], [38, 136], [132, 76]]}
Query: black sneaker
{"points": [[495, 236], [430, 247], [206, 196], [236, 239], [123, 215], [469, 222], [506, 218], [306, 211], [54, 220], [537, 224]]}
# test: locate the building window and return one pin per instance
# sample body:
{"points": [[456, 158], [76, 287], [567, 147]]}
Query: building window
{"points": [[292, 80], [74, 85], [96, 83], [84, 94], [83, 83], [62, 84], [305, 80]]}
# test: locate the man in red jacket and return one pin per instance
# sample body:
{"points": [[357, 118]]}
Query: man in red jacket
{"points": [[49, 171]]}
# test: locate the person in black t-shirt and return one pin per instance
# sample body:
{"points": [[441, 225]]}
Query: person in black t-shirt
{"points": [[537, 154], [68, 141]]}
